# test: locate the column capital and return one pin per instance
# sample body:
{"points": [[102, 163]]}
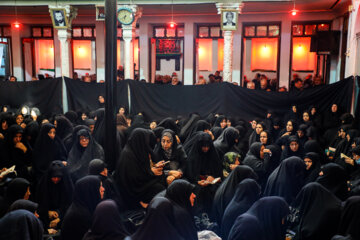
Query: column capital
{"points": [[71, 12], [229, 6]]}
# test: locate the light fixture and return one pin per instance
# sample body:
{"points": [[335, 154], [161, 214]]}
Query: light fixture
{"points": [[172, 24], [294, 11], [16, 24]]}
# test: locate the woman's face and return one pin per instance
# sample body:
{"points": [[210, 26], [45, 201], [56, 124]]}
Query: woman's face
{"points": [[83, 116], [353, 145], [84, 141], [152, 125], [294, 146], [205, 148], [19, 119], [259, 128], [348, 137], [308, 163], [228, 123], [300, 133], [122, 110], [334, 108], [294, 109], [253, 124], [52, 133], [56, 180], [166, 143], [17, 138], [192, 199], [289, 126], [342, 133], [306, 117], [4, 125], [27, 194], [102, 191], [263, 137], [313, 111], [223, 123]]}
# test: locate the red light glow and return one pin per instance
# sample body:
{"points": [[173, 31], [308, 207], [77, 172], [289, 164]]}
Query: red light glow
{"points": [[17, 25], [172, 24], [294, 12]]}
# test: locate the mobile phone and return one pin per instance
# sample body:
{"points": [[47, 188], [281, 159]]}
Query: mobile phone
{"points": [[166, 163]]}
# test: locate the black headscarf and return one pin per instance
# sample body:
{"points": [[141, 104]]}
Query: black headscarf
{"points": [[226, 191], [72, 116], [99, 128], [287, 179], [96, 166], [200, 126], [78, 217], [270, 212], [226, 142], [334, 178], [24, 204], [246, 227], [70, 141], [188, 127], [176, 154], [313, 173], [15, 190], [80, 157], [21, 225], [287, 152], [134, 178], [11, 155], [169, 123], [54, 197], [247, 192], [47, 150], [314, 146], [350, 221], [319, 212], [107, 223], [64, 127], [31, 132], [159, 222], [200, 163], [179, 193]]}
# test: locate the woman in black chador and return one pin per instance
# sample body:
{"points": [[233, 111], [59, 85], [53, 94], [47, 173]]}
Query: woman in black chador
{"points": [[137, 178], [169, 150], [287, 179], [181, 194], [54, 194], [48, 147], [88, 193], [247, 192], [227, 189], [82, 152], [203, 166]]}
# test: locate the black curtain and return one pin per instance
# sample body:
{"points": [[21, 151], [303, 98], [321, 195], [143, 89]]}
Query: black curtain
{"points": [[84, 96], [160, 101], [45, 95], [357, 98]]}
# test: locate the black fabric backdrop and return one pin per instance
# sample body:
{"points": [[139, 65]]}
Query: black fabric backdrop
{"points": [[357, 99], [84, 96], [45, 95], [159, 101]]}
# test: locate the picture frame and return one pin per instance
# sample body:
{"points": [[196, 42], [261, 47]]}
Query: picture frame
{"points": [[229, 19], [100, 13], [59, 18]]}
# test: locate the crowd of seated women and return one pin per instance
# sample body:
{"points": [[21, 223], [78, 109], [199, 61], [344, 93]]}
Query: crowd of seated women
{"points": [[289, 176]]}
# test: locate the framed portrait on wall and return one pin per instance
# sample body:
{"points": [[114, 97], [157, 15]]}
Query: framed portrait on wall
{"points": [[229, 19], [58, 17]]}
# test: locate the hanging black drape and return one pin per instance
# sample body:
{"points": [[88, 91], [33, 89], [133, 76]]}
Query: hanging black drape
{"points": [[45, 95], [83, 96], [159, 101]]}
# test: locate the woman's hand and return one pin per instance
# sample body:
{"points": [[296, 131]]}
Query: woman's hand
{"points": [[210, 179], [176, 174], [170, 179], [21, 146], [157, 171], [54, 223], [203, 183]]}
